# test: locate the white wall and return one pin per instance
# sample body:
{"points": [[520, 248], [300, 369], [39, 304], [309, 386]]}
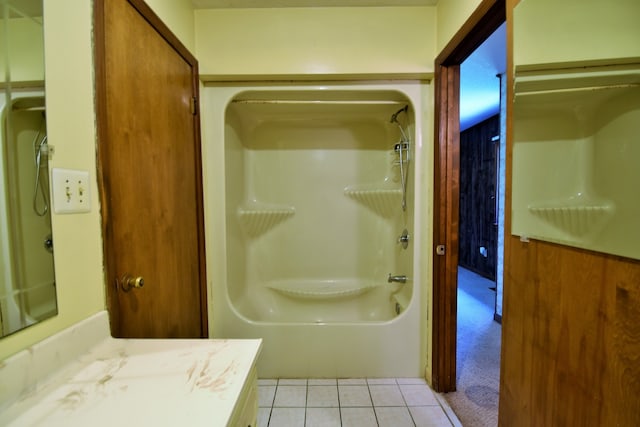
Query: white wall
{"points": [[179, 17], [451, 15], [315, 43]]}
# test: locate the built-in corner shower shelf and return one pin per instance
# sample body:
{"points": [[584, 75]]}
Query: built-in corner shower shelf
{"points": [[257, 220], [575, 219], [384, 202], [321, 289]]}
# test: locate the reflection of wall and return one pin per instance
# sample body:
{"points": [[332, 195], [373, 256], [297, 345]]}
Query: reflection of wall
{"points": [[583, 31], [26, 50]]}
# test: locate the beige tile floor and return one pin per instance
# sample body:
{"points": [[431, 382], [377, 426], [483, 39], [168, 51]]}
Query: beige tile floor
{"points": [[358, 402]]}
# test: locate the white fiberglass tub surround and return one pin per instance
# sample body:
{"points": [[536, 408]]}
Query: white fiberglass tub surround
{"points": [[312, 190]]}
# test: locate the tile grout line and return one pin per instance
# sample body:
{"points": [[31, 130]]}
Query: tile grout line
{"points": [[273, 402], [339, 405], [375, 413], [406, 404], [448, 410]]}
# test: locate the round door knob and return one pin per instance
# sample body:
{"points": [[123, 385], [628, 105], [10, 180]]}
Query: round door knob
{"points": [[129, 282]]}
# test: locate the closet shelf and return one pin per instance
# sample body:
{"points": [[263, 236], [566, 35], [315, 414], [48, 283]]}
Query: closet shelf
{"points": [[575, 219], [257, 220], [321, 289], [382, 201]]}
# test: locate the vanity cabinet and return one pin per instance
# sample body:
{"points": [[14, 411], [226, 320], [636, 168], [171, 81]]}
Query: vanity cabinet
{"points": [[246, 411], [199, 382]]}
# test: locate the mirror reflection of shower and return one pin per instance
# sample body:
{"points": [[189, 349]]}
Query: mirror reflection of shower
{"points": [[28, 291], [402, 148]]}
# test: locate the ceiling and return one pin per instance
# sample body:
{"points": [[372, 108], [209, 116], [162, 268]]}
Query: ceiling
{"points": [[479, 84], [212, 4]]}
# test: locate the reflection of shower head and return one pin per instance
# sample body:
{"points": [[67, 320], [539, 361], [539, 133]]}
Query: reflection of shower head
{"points": [[394, 117]]}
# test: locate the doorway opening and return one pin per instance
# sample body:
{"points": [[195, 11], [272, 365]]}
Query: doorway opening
{"points": [[481, 240], [487, 18]]}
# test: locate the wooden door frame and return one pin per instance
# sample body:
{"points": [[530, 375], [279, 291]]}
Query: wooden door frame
{"points": [[487, 17], [102, 160]]}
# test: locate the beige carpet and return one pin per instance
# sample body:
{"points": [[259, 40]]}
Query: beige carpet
{"points": [[478, 355]]}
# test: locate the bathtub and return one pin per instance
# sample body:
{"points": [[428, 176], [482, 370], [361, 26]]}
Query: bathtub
{"points": [[304, 193]]}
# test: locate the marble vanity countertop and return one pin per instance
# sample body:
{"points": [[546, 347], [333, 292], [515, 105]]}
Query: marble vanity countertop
{"points": [[140, 382]]}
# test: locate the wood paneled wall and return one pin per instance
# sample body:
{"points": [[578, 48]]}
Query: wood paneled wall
{"points": [[478, 220], [571, 338]]}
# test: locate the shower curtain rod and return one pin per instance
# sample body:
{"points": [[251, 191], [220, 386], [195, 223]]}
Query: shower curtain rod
{"points": [[293, 101]]}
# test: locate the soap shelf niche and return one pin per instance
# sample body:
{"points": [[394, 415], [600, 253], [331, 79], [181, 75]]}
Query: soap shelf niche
{"points": [[577, 220], [258, 219], [383, 201], [321, 289]]}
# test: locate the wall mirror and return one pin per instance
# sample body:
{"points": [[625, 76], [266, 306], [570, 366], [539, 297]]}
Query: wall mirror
{"points": [[27, 281], [576, 112]]}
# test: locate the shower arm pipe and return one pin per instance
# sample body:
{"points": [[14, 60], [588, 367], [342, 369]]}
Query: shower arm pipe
{"points": [[394, 119]]}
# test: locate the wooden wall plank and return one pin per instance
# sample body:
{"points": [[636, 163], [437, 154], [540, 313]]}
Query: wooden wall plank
{"points": [[478, 220], [571, 338]]}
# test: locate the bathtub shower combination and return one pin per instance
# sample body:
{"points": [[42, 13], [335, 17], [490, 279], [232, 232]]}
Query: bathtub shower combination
{"points": [[27, 292], [319, 228]]}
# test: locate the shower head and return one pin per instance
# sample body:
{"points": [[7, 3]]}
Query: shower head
{"points": [[394, 117]]}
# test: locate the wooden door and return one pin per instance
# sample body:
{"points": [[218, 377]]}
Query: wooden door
{"points": [[150, 168]]}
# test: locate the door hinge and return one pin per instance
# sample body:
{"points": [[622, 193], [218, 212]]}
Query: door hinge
{"points": [[194, 105], [440, 249]]}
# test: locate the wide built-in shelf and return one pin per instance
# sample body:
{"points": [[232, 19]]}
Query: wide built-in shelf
{"points": [[257, 220], [384, 202], [321, 289]]}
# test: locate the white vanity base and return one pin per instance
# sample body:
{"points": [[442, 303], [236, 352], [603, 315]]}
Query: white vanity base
{"points": [[131, 382]]}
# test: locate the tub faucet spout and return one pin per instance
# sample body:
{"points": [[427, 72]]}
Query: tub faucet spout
{"points": [[399, 279]]}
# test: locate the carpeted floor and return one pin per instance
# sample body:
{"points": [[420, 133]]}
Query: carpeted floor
{"points": [[478, 355]]}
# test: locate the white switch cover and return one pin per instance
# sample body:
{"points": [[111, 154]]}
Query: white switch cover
{"points": [[70, 191]]}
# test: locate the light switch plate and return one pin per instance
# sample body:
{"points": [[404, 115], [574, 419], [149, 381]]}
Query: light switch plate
{"points": [[70, 191]]}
